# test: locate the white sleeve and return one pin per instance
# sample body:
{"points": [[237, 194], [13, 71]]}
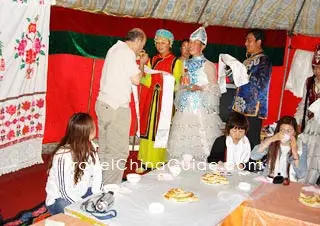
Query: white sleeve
{"points": [[65, 169], [300, 109], [97, 176], [129, 63]]}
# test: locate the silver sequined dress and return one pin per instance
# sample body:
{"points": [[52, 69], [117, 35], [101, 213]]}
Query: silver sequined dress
{"points": [[196, 123]]}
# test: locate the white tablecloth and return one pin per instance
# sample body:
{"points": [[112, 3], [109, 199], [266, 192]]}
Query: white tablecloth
{"points": [[215, 201]]}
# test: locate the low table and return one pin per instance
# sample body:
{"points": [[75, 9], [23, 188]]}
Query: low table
{"points": [[273, 204], [215, 201]]}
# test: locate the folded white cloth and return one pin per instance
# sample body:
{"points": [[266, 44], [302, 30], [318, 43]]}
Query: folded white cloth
{"points": [[300, 70], [238, 153], [315, 109], [162, 134], [136, 103], [239, 71]]}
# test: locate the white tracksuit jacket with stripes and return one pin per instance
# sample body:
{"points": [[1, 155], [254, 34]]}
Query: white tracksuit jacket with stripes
{"points": [[60, 183]]}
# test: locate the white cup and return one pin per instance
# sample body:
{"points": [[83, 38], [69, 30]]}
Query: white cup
{"points": [[285, 138], [175, 170]]}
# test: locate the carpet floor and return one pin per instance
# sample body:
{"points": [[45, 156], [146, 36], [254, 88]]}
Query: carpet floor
{"points": [[23, 192]]}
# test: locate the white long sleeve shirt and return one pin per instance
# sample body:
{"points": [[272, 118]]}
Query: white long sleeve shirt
{"points": [[60, 183]]}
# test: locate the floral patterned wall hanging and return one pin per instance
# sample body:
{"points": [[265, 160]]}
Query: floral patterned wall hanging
{"points": [[24, 41]]}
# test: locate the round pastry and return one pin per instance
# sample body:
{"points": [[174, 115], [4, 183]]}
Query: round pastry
{"points": [[180, 195], [214, 178], [310, 200]]}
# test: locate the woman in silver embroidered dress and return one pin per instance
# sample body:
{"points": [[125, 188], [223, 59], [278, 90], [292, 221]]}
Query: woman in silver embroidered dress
{"points": [[196, 123], [309, 126]]}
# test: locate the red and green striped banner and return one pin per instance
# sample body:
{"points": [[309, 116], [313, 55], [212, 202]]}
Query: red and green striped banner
{"points": [[91, 35]]}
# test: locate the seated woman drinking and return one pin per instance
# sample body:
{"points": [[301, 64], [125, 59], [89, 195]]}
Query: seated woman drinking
{"points": [[286, 155]]}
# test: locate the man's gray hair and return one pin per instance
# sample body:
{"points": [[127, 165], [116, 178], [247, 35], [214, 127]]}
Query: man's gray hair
{"points": [[134, 34]]}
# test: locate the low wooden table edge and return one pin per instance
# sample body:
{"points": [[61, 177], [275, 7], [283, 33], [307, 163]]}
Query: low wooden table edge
{"points": [[84, 218], [65, 218]]}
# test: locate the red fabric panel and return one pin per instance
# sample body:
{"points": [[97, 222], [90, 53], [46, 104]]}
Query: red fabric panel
{"points": [[290, 102], [305, 42], [67, 92], [95, 87], [274, 94], [63, 19]]}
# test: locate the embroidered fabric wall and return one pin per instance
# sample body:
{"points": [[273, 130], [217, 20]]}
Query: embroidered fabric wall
{"points": [[24, 40]]}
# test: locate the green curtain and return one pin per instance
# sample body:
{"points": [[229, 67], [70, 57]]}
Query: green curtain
{"points": [[94, 46]]}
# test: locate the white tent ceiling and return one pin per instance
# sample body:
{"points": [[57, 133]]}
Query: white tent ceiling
{"points": [[265, 14]]}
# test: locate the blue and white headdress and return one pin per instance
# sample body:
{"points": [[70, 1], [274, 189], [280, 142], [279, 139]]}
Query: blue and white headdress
{"points": [[199, 34], [162, 33]]}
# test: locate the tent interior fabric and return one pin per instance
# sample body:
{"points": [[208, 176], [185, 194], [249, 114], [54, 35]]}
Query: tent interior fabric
{"points": [[80, 39], [77, 49], [301, 16]]}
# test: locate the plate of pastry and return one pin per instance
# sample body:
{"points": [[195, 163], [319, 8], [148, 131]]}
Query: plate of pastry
{"points": [[180, 195], [310, 196], [214, 178]]}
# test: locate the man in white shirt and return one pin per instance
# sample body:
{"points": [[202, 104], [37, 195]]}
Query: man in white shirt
{"points": [[119, 72]]}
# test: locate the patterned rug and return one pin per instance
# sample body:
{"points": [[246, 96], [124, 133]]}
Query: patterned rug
{"points": [[28, 217]]}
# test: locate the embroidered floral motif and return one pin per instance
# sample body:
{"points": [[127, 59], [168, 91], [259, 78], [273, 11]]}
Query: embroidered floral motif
{"points": [[239, 104], [29, 48], [22, 120]]}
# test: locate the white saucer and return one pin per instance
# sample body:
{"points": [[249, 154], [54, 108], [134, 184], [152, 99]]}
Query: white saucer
{"points": [[244, 186]]}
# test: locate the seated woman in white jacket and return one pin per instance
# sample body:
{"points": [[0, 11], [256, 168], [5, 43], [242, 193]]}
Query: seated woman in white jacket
{"points": [[75, 170], [286, 156]]}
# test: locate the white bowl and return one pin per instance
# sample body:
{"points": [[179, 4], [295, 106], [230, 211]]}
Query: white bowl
{"points": [[244, 186], [187, 157], [133, 178], [111, 187], [175, 170]]}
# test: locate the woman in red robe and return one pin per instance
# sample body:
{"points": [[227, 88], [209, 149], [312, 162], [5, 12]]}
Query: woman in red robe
{"points": [[151, 97]]}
